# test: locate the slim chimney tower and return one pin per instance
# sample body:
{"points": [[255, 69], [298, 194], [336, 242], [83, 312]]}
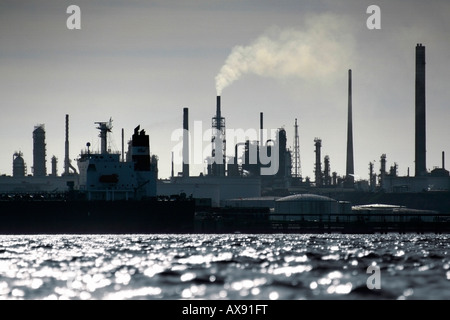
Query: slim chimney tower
{"points": [[349, 173], [218, 143], [297, 165], [123, 147], [67, 162], [261, 127], [185, 142], [66, 155], [420, 146], [172, 171], [318, 165], [382, 171], [371, 177]]}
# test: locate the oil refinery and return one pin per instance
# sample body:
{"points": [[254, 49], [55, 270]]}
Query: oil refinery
{"points": [[242, 178]]}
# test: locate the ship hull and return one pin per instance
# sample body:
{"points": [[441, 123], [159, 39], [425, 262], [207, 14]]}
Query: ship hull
{"points": [[96, 217]]}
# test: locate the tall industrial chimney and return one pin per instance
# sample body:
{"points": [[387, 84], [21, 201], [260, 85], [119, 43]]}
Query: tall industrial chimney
{"points": [[382, 170], [318, 165], [66, 153], [261, 128], [349, 174], [297, 165], [172, 170], [185, 142], [218, 113], [218, 142], [67, 164], [420, 146], [123, 146]]}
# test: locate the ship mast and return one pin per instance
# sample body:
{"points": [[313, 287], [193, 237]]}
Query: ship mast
{"points": [[104, 128]]}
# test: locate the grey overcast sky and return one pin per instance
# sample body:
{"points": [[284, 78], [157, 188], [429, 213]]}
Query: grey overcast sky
{"points": [[140, 62]]}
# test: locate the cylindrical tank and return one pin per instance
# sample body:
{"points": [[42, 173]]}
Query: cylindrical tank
{"points": [[306, 204], [19, 169], [39, 151], [54, 166]]}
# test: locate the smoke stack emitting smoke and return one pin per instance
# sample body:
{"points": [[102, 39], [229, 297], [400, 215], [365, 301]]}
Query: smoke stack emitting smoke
{"points": [[315, 52]]}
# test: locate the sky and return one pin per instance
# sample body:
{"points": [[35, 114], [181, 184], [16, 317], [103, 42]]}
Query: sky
{"points": [[141, 62]]}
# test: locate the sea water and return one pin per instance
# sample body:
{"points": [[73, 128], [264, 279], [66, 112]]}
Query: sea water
{"points": [[225, 266]]}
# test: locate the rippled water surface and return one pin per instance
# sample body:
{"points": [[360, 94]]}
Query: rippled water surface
{"points": [[235, 266]]}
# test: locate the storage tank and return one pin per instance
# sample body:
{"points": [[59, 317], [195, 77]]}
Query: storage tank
{"points": [[39, 151], [293, 207], [54, 166], [19, 168]]}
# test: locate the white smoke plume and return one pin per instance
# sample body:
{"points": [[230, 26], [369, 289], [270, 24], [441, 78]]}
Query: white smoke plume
{"points": [[314, 52]]}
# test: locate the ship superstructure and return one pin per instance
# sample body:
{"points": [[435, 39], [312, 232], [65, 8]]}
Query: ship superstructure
{"points": [[103, 176]]}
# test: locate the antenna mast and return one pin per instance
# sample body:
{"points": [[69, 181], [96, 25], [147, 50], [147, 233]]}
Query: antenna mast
{"points": [[297, 165]]}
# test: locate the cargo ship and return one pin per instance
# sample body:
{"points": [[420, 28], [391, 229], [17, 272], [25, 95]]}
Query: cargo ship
{"points": [[113, 195]]}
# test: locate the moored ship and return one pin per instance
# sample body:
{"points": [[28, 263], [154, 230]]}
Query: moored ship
{"points": [[113, 196]]}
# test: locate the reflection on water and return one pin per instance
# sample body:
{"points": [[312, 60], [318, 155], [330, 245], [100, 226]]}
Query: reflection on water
{"points": [[235, 266]]}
